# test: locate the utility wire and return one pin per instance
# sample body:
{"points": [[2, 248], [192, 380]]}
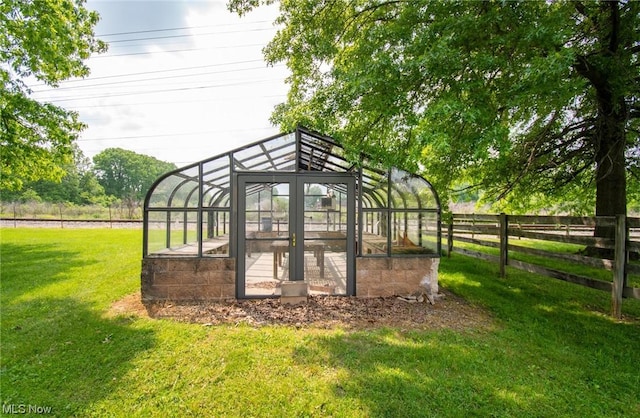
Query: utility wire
{"points": [[155, 72], [157, 91], [113, 83], [152, 88], [118, 138], [189, 35], [182, 28], [164, 51], [177, 44], [209, 100]]}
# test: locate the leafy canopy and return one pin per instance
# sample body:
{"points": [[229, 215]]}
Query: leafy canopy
{"points": [[526, 101], [128, 175], [48, 41], [78, 186]]}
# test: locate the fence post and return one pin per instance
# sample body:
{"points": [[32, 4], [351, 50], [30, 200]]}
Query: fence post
{"points": [[60, 212], [450, 237], [504, 244], [620, 260]]}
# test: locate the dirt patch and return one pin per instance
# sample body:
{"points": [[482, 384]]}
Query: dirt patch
{"points": [[449, 311], [129, 305]]}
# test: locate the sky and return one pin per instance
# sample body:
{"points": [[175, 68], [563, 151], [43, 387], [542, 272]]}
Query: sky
{"points": [[183, 80]]}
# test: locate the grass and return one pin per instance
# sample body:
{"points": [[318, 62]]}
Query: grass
{"points": [[633, 280], [552, 350]]}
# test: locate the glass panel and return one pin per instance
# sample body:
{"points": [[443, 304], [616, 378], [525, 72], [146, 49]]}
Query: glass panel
{"points": [[173, 191], [173, 233], [374, 189], [216, 198], [157, 225], [215, 233], [411, 192], [374, 234], [277, 154], [415, 233], [428, 199], [185, 192], [325, 207], [325, 238], [403, 194], [216, 179], [266, 238]]}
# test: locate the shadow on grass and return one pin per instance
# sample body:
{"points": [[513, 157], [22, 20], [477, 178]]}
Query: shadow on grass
{"points": [[540, 303], [26, 268], [439, 374], [554, 353], [67, 359], [58, 351]]}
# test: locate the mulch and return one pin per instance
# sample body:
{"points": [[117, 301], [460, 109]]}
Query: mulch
{"points": [[448, 312]]}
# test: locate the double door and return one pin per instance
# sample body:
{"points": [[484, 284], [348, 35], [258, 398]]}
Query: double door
{"points": [[295, 228]]}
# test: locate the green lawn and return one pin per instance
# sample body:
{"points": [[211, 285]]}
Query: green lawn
{"points": [[553, 350], [577, 268]]}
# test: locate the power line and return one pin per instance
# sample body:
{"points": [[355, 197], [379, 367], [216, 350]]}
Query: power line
{"points": [[182, 28], [168, 44], [156, 71], [118, 138], [147, 79], [157, 52], [157, 91], [174, 36], [189, 35], [210, 100]]}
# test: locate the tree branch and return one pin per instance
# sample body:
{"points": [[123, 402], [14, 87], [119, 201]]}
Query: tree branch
{"points": [[581, 9]]}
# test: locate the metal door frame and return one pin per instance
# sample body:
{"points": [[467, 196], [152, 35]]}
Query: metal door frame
{"points": [[296, 183]]}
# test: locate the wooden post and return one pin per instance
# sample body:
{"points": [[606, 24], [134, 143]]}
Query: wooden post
{"points": [[504, 244], [619, 264], [473, 225], [60, 210], [450, 237]]}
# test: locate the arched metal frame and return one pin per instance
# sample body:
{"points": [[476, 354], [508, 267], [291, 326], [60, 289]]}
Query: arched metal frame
{"points": [[398, 213]]}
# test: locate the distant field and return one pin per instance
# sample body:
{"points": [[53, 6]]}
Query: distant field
{"points": [[552, 351]]}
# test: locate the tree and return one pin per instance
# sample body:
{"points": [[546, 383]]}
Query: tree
{"points": [[128, 175], [518, 99], [47, 41], [78, 185]]}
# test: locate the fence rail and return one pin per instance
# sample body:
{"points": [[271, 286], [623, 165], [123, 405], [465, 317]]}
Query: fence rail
{"points": [[71, 223], [496, 231]]}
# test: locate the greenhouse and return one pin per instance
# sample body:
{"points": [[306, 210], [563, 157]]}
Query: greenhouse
{"points": [[289, 216]]}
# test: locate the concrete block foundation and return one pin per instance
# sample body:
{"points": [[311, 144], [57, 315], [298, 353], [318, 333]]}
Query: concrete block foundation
{"points": [[210, 279]]}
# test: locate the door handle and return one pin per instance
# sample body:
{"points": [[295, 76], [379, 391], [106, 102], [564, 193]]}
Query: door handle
{"points": [[293, 240]]}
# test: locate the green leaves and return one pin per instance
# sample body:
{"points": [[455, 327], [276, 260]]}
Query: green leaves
{"points": [[490, 92], [47, 40], [126, 174], [36, 138]]}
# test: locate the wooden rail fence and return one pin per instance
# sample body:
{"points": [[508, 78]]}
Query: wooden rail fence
{"points": [[498, 231]]}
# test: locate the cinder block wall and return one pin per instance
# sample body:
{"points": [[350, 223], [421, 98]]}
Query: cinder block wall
{"points": [[201, 279], [396, 276], [188, 279]]}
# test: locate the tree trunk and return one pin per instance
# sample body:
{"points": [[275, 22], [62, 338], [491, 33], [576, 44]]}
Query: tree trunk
{"points": [[611, 180], [611, 196], [610, 126]]}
